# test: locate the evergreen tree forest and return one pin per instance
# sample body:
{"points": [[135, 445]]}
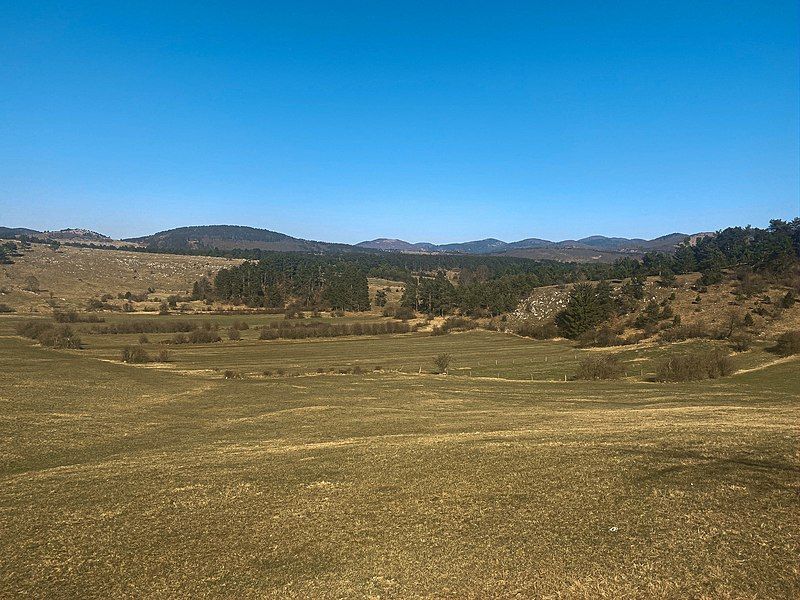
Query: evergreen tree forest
{"points": [[484, 285]]}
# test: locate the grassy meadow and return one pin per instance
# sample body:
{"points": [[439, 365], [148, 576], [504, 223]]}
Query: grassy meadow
{"points": [[497, 480]]}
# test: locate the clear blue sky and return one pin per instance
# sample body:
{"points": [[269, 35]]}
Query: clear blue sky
{"points": [[425, 121]]}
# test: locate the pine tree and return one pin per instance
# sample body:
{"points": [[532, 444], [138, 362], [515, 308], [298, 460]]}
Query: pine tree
{"points": [[582, 313]]}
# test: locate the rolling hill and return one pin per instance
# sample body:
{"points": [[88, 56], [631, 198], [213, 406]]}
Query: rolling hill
{"points": [[229, 237], [595, 248]]}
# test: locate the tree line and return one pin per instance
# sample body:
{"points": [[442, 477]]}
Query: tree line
{"points": [[484, 284]]}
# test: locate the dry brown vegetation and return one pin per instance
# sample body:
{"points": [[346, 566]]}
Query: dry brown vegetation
{"points": [[70, 277]]}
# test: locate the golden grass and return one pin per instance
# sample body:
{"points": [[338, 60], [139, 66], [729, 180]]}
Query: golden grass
{"points": [[120, 481], [71, 276]]}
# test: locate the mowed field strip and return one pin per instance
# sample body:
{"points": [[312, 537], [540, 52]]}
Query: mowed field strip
{"points": [[127, 481]]}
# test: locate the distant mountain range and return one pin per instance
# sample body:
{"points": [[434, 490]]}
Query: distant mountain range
{"points": [[494, 246], [596, 248]]}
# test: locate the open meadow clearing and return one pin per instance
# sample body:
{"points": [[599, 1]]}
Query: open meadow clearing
{"points": [[135, 481]]}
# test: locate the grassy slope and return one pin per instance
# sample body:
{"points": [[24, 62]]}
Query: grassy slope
{"points": [[124, 481], [74, 275]]}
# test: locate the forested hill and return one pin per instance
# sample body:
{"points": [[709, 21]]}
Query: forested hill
{"points": [[491, 284], [229, 237]]}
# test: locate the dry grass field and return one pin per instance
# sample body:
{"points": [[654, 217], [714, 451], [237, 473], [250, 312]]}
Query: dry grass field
{"points": [[69, 277], [345, 468], [159, 482]]}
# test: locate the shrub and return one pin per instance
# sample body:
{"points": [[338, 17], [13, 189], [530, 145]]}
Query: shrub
{"points": [[788, 300], [404, 313], [145, 326], [694, 366], [203, 336], [240, 325], [679, 333], [233, 334], [604, 337], [163, 309], [48, 334], [60, 337], [180, 338], [229, 374], [5, 308], [442, 362], [135, 355], [741, 342], [72, 316], [543, 331], [143, 339], [164, 356], [458, 324], [294, 312], [600, 367], [787, 344]]}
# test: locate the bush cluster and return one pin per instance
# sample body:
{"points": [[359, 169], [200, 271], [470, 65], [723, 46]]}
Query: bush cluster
{"points": [[145, 326], [135, 355], [679, 333], [695, 365], [48, 334], [543, 331], [787, 344], [595, 367], [72, 316], [458, 324], [294, 331]]}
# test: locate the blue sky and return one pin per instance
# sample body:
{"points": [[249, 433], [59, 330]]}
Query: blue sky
{"points": [[441, 122]]}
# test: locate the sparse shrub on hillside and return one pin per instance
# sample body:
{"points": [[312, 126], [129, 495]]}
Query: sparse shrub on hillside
{"points": [[180, 338], [31, 284], [95, 304], [163, 308], [442, 363], [242, 325], [741, 342], [679, 333], [595, 367], [164, 356], [233, 334], [788, 300], [711, 277], [135, 355], [748, 320], [230, 374], [5, 308], [667, 279], [787, 344], [143, 339], [694, 365]]}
